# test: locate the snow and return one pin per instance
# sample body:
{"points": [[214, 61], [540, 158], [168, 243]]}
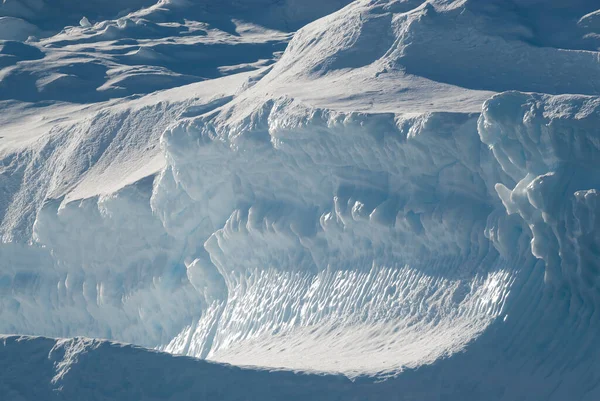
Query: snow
{"points": [[401, 193], [81, 368], [16, 29]]}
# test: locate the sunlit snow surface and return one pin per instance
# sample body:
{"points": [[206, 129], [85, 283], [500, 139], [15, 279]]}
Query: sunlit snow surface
{"points": [[406, 196]]}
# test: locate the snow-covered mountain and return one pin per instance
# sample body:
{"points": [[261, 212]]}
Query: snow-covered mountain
{"points": [[400, 192]]}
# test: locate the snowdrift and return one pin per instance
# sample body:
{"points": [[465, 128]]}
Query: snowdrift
{"points": [[80, 368], [407, 193]]}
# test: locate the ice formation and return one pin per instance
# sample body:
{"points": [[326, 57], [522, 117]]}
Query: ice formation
{"points": [[407, 192]]}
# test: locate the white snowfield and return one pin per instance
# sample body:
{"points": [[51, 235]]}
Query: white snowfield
{"points": [[401, 197]]}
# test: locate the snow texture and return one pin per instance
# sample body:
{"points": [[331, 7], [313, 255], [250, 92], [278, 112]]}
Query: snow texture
{"points": [[402, 193]]}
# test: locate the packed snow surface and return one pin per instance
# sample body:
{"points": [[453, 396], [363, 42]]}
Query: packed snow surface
{"points": [[401, 197]]}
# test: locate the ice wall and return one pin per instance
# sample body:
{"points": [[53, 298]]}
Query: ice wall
{"points": [[549, 147], [369, 227], [339, 222], [82, 252], [397, 236], [280, 228]]}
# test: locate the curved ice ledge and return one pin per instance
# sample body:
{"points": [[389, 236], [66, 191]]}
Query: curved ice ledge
{"points": [[298, 237]]}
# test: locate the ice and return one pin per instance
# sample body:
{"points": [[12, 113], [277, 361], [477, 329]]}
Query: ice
{"points": [[544, 149], [402, 193]]}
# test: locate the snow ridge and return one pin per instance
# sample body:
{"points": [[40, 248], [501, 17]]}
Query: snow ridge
{"points": [[348, 206]]}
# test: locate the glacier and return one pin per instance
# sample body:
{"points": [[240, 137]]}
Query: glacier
{"points": [[378, 199]]}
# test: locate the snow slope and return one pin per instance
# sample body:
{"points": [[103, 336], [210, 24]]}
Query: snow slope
{"points": [[99, 370], [406, 193]]}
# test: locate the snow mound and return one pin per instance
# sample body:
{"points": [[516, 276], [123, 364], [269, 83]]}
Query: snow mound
{"points": [[370, 202], [81, 368], [140, 46], [16, 29], [437, 55]]}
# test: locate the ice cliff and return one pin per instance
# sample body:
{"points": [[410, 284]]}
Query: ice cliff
{"points": [[407, 192]]}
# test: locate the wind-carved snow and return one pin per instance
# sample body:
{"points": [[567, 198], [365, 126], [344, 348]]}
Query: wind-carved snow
{"points": [[333, 263], [352, 208], [106, 265], [330, 321], [551, 156]]}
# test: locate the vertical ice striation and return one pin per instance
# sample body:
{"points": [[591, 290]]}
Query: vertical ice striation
{"points": [[550, 148], [345, 232]]}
